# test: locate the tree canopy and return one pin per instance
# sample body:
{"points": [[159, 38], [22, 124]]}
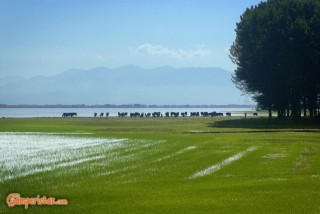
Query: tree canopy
{"points": [[277, 53]]}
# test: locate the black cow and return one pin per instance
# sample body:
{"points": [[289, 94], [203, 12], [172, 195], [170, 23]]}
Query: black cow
{"points": [[204, 114], [213, 114], [194, 114], [174, 114], [255, 114], [136, 114], [122, 114], [70, 114], [228, 114], [156, 114]]}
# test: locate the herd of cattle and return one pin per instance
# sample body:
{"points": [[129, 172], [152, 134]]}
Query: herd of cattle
{"points": [[70, 114], [158, 114]]}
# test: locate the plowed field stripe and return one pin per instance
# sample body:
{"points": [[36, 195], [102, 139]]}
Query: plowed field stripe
{"points": [[222, 164]]}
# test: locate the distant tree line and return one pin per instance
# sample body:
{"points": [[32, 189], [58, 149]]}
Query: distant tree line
{"points": [[277, 53]]}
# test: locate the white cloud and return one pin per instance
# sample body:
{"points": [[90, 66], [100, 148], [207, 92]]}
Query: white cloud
{"points": [[158, 51], [99, 57]]}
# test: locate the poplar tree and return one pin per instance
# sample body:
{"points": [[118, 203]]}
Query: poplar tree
{"points": [[277, 53]]}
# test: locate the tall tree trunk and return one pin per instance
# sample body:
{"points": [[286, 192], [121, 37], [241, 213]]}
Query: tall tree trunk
{"points": [[270, 112], [304, 106]]}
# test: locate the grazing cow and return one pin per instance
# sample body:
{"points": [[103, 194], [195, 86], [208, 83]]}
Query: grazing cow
{"points": [[184, 114], [174, 114], [122, 114], [148, 115], [95, 114], [71, 114], [194, 114], [156, 114], [213, 114], [204, 114], [228, 114], [255, 114], [101, 115], [136, 114], [167, 114], [107, 114]]}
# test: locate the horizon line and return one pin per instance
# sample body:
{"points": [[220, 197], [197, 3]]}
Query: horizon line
{"points": [[124, 105]]}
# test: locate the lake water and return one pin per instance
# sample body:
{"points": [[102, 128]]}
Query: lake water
{"points": [[89, 112]]}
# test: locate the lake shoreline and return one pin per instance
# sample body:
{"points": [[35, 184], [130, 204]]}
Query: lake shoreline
{"points": [[114, 112]]}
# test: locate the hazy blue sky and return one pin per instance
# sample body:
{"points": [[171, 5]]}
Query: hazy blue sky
{"points": [[45, 37]]}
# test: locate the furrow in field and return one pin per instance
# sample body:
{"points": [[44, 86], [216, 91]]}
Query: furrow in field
{"points": [[25, 154], [52, 167], [304, 160], [222, 164], [189, 148], [131, 157]]}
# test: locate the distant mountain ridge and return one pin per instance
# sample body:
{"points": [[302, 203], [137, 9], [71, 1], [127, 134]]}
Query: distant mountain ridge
{"points": [[128, 84]]}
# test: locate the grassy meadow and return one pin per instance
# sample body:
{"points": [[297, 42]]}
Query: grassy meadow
{"points": [[162, 165]]}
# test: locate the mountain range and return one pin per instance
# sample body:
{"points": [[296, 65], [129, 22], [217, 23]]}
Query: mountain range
{"points": [[128, 84]]}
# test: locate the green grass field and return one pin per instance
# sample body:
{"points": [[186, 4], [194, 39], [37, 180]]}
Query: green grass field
{"points": [[163, 165]]}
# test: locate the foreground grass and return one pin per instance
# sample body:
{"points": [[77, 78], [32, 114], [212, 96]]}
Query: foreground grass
{"points": [[152, 172]]}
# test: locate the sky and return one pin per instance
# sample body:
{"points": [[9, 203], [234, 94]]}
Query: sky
{"points": [[47, 37]]}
